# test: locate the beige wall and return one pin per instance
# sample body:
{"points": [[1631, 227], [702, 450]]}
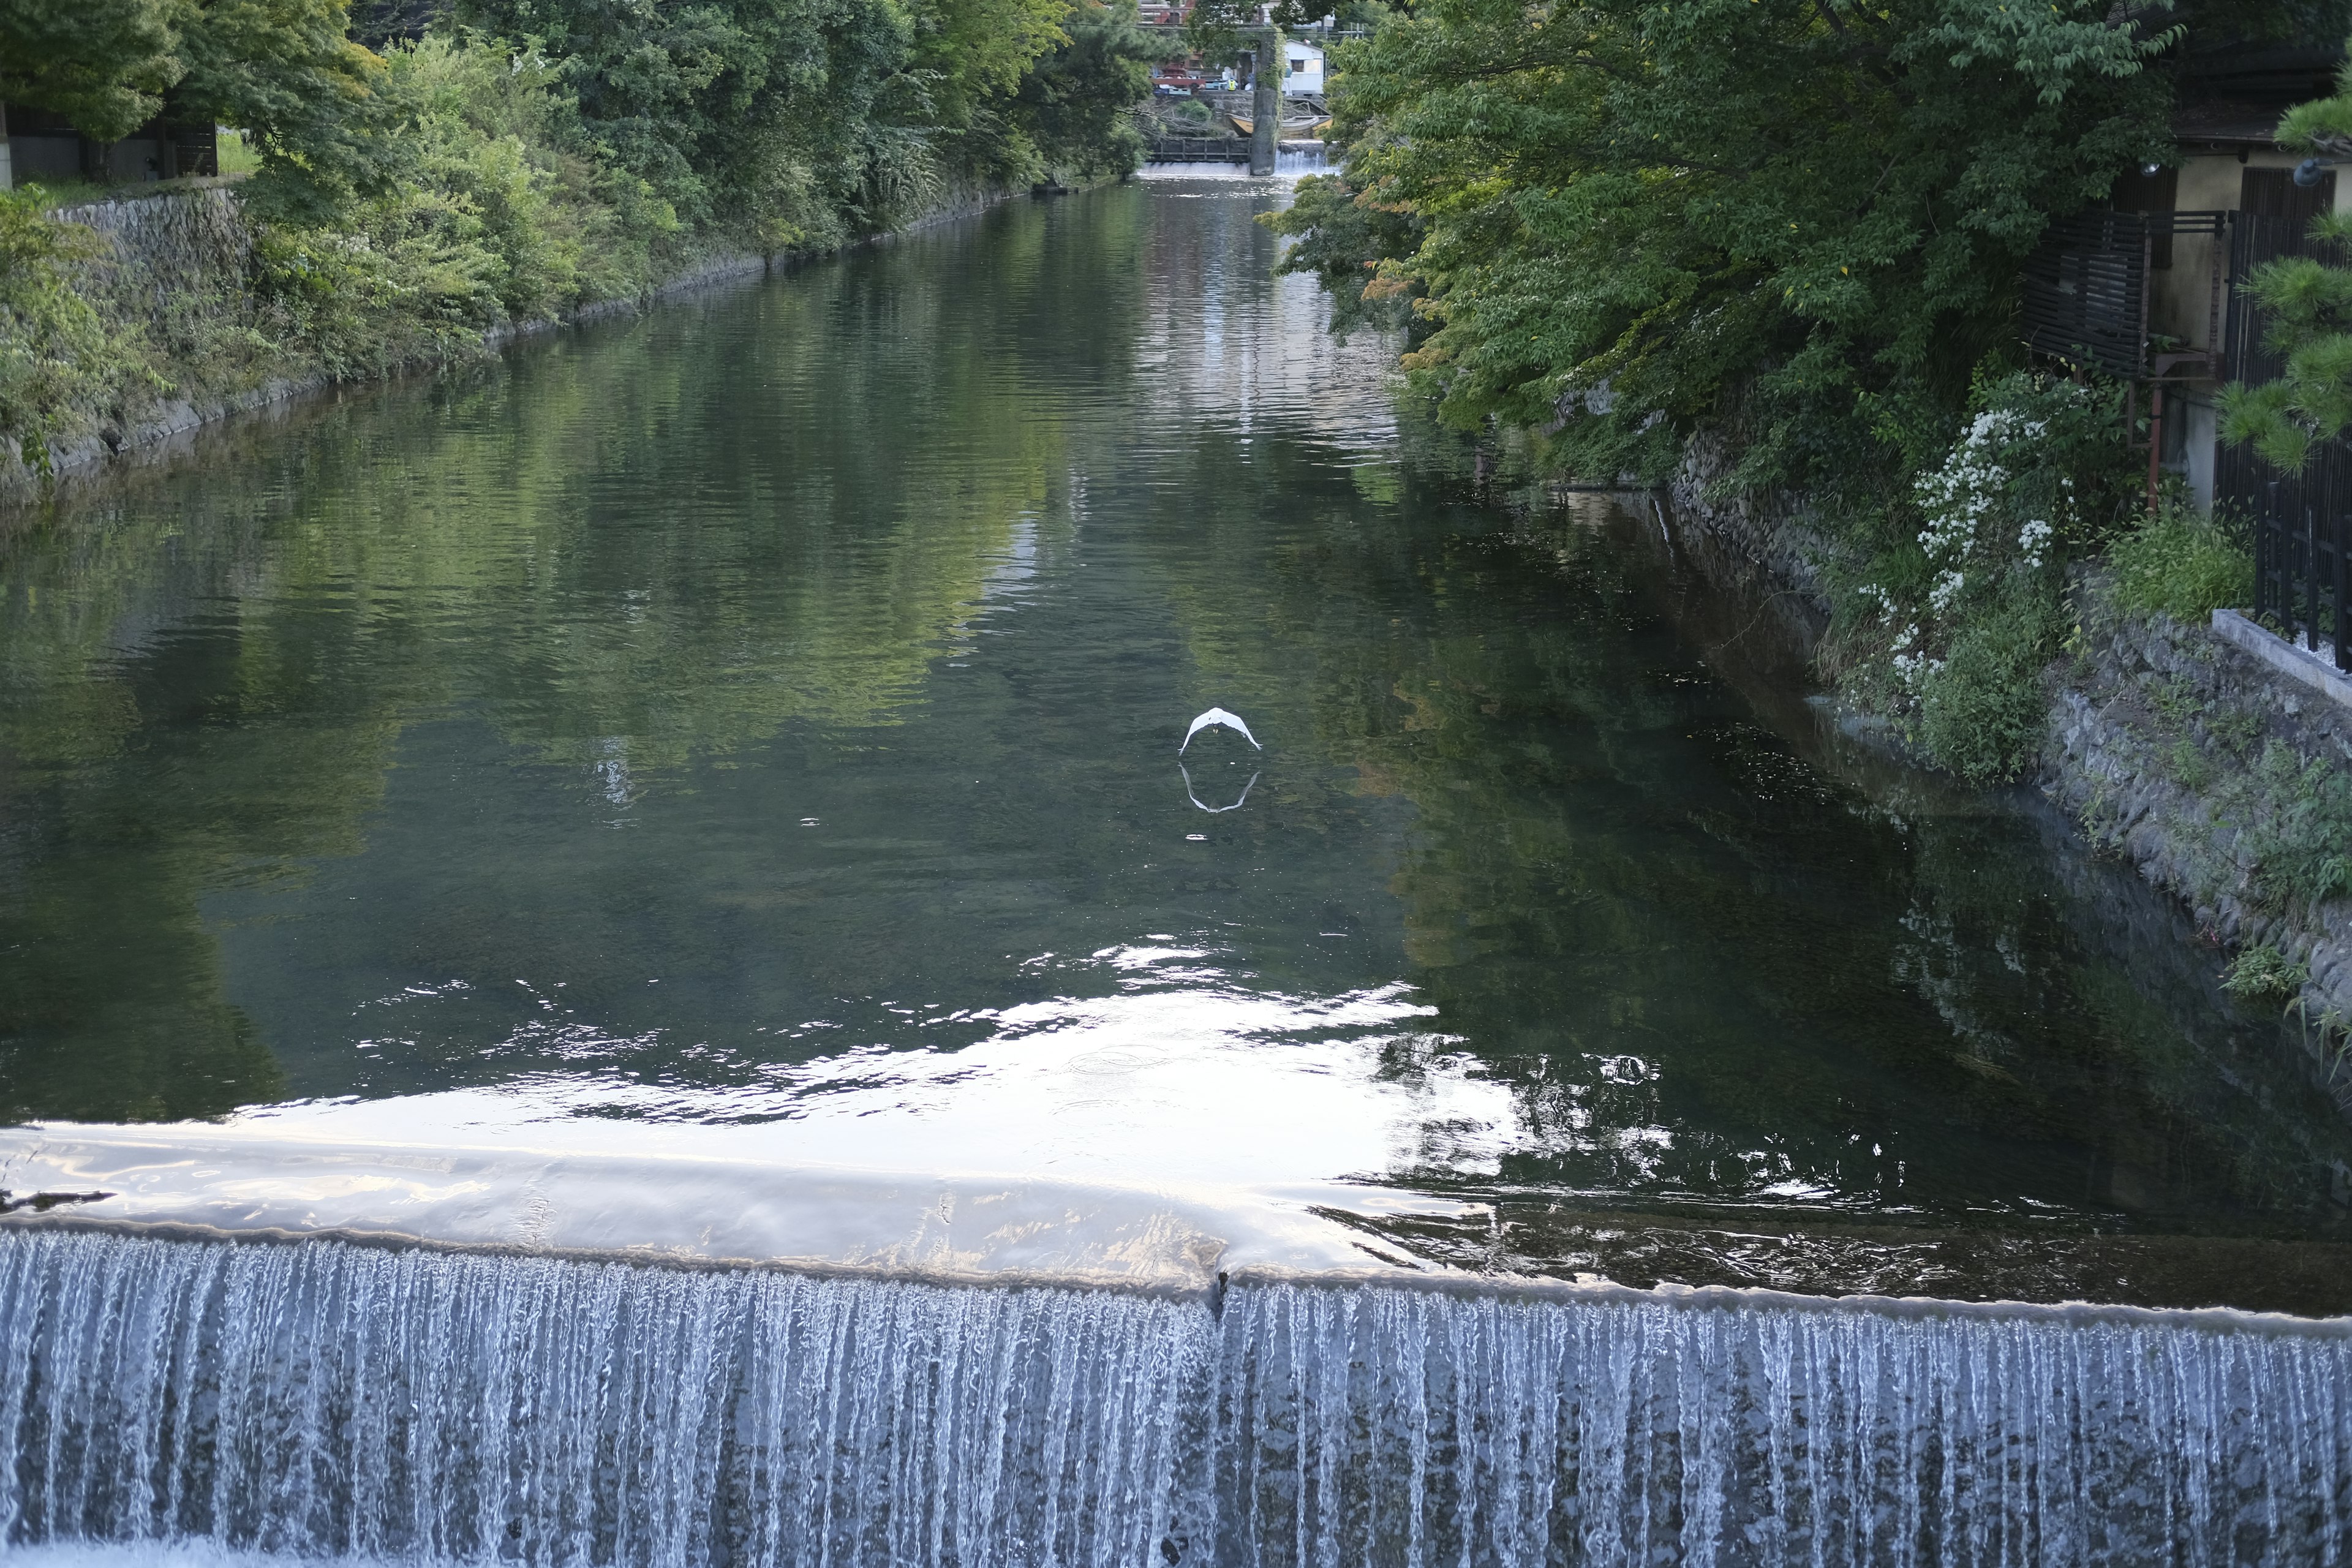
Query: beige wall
{"points": [[2181, 304]]}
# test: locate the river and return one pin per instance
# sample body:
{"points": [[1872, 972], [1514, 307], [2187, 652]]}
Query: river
{"points": [[762, 715], [718, 782]]}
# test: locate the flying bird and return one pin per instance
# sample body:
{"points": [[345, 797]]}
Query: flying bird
{"points": [[1218, 716]]}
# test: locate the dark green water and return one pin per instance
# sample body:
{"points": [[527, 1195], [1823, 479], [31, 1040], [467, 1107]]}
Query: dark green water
{"points": [[765, 713]]}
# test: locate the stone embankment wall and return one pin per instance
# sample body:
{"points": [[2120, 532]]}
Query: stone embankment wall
{"points": [[174, 266], [2209, 771], [2166, 746], [163, 247], [179, 267]]}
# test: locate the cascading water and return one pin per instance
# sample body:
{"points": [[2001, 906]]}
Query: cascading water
{"points": [[326, 1399], [1372, 1425]]}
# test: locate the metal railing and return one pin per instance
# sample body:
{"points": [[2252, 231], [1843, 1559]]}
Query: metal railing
{"points": [[1199, 150], [2302, 540], [2302, 521]]}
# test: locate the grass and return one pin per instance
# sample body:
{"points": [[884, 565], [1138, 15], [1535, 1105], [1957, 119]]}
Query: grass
{"points": [[237, 155], [2263, 975], [51, 195], [2180, 564]]}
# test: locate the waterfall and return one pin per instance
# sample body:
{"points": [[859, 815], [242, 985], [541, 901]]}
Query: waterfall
{"points": [[1399, 1427], [324, 1399]]}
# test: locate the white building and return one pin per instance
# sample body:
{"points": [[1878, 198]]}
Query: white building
{"points": [[1303, 67]]}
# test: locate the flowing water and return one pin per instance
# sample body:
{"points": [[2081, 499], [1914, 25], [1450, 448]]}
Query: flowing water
{"points": [[325, 1400], [754, 728]]}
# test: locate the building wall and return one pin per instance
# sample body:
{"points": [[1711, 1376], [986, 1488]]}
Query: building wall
{"points": [[44, 147], [50, 158], [1303, 68], [2182, 303]]}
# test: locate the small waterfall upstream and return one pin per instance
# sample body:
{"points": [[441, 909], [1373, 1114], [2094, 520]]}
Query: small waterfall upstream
{"points": [[325, 1400]]}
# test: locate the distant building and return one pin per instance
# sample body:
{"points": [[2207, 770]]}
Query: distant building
{"points": [[2146, 286], [1304, 67], [36, 145]]}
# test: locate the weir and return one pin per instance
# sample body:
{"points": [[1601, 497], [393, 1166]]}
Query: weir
{"points": [[327, 1399]]}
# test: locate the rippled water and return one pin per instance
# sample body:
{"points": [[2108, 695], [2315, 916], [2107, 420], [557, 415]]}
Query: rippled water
{"points": [[761, 716]]}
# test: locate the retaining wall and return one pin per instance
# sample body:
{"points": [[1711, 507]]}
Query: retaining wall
{"points": [[2156, 736], [2172, 746], [179, 266]]}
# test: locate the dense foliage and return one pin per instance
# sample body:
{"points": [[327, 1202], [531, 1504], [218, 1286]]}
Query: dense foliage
{"points": [[2180, 563], [502, 162], [1793, 227], [800, 123], [1628, 216], [55, 350], [1948, 628], [285, 71], [105, 63]]}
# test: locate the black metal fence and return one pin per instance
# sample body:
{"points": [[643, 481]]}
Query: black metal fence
{"points": [[1199, 150], [2302, 521]]}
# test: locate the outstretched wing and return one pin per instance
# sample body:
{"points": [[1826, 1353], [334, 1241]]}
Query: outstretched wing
{"points": [[1218, 716]]}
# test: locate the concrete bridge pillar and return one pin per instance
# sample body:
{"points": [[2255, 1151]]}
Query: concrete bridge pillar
{"points": [[1266, 102]]}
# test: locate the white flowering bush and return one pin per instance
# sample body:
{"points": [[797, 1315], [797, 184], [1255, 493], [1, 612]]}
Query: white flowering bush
{"points": [[1948, 630]]}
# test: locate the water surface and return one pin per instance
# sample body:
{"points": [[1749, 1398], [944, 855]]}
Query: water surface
{"points": [[760, 719]]}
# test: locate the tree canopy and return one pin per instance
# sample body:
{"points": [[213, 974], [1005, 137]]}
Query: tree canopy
{"points": [[285, 71], [1796, 223], [2308, 302], [1626, 216], [104, 64]]}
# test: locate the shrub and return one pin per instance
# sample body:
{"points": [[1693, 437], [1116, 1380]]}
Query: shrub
{"points": [[60, 361], [2303, 850], [2180, 564], [506, 212], [1981, 711], [2263, 975], [1950, 631]]}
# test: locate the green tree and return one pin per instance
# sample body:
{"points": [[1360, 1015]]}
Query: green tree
{"points": [[286, 73], [2309, 302], [282, 70], [793, 122], [1631, 218], [1074, 103], [103, 63]]}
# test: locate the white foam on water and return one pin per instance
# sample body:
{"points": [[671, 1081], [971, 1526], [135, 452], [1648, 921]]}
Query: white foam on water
{"points": [[323, 1400], [796, 1192], [176, 1553]]}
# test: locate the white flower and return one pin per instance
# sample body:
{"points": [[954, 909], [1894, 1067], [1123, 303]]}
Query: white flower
{"points": [[2033, 539]]}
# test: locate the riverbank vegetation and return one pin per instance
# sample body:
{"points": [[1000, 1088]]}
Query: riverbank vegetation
{"points": [[500, 162], [1768, 248]]}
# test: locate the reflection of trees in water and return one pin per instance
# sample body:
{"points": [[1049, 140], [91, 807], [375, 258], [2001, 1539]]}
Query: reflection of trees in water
{"points": [[1703, 965], [666, 540], [1706, 968]]}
